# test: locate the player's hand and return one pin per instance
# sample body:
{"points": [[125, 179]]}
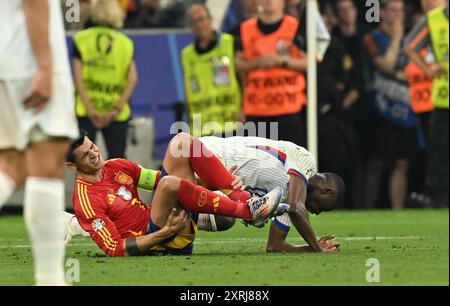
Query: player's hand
{"points": [[176, 221], [237, 183], [328, 245], [40, 92]]}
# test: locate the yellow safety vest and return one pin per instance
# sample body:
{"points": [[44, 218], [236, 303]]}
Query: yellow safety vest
{"points": [[439, 31], [212, 87], [107, 55]]}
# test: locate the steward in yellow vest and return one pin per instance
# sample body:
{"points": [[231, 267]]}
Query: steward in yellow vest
{"points": [[433, 31], [213, 94], [105, 77]]}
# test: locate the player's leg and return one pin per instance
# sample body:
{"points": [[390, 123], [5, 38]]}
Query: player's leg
{"points": [[44, 204], [214, 223], [172, 190], [186, 155], [12, 173]]}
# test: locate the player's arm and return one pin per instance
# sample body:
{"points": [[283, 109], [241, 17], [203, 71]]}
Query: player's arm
{"points": [[149, 179], [277, 242], [139, 246], [299, 214], [100, 228], [37, 16]]}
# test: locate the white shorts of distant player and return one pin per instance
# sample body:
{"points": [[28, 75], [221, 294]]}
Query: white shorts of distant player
{"points": [[20, 127]]}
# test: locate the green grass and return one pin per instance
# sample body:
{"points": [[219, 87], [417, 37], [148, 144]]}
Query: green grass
{"points": [[412, 248]]}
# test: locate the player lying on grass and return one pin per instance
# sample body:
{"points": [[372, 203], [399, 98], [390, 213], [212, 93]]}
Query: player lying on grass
{"points": [[107, 204], [263, 165]]}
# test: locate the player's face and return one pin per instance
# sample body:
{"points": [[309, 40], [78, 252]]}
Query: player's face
{"points": [[88, 157], [320, 196]]}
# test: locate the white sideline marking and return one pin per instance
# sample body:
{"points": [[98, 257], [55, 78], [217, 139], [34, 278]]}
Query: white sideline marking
{"points": [[232, 240]]}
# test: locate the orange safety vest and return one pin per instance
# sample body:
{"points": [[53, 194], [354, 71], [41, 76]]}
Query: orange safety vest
{"points": [[420, 87], [277, 91]]}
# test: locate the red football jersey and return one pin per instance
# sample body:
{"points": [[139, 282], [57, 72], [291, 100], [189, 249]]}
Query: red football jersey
{"points": [[111, 210]]}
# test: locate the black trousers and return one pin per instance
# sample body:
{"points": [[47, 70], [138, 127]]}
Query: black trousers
{"points": [[115, 135], [290, 127], [437, 178]]}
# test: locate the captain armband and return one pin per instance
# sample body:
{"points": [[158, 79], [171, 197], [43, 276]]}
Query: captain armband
{"points": [[149, 179]]}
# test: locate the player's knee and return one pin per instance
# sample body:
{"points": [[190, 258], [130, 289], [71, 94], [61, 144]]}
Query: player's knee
{"points": [[180, 146], [182, 139], [169, 184], [224, 223], [14, 168]]}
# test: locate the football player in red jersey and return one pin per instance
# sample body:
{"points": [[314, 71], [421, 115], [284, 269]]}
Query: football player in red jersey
{"points": [[107, 204]]}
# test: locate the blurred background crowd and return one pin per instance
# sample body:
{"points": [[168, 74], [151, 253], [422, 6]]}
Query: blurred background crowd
{"points": [[381, 126]]}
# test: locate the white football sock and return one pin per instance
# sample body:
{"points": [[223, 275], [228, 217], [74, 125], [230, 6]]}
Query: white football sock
{"points": [[7, 187], [44, 204]]}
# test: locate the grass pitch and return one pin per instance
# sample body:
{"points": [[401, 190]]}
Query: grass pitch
{"points": [[412, 248]]}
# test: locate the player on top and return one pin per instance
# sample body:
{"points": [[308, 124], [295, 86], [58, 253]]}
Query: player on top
{"points": [[263, 165], [107, 204]]}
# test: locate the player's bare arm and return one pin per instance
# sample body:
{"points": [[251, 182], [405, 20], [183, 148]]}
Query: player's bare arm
{"points": [[277, 243], [37, 21], [176, 221], [299, 215]]}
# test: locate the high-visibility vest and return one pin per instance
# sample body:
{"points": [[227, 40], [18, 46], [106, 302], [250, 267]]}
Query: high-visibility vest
{"points": [[420, 86], [106, 55], [212, 87], [439, 31], [277, 91]]}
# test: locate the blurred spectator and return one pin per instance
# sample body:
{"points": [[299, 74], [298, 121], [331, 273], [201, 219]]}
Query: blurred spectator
{"points": [[339, 149], [433, 31], [392, 121], [422, 105], [151, 14], [350, 33], [248, 9], [212, 87], [295, 8], [105, 77], [270, 54]]}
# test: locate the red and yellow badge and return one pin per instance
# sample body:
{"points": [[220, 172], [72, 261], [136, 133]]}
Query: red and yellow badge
{"points": [[123, 179]]}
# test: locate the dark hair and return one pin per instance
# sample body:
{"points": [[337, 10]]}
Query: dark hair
{"points": [[385, 3], [198, 5], [339, 183], [70, 157]]}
